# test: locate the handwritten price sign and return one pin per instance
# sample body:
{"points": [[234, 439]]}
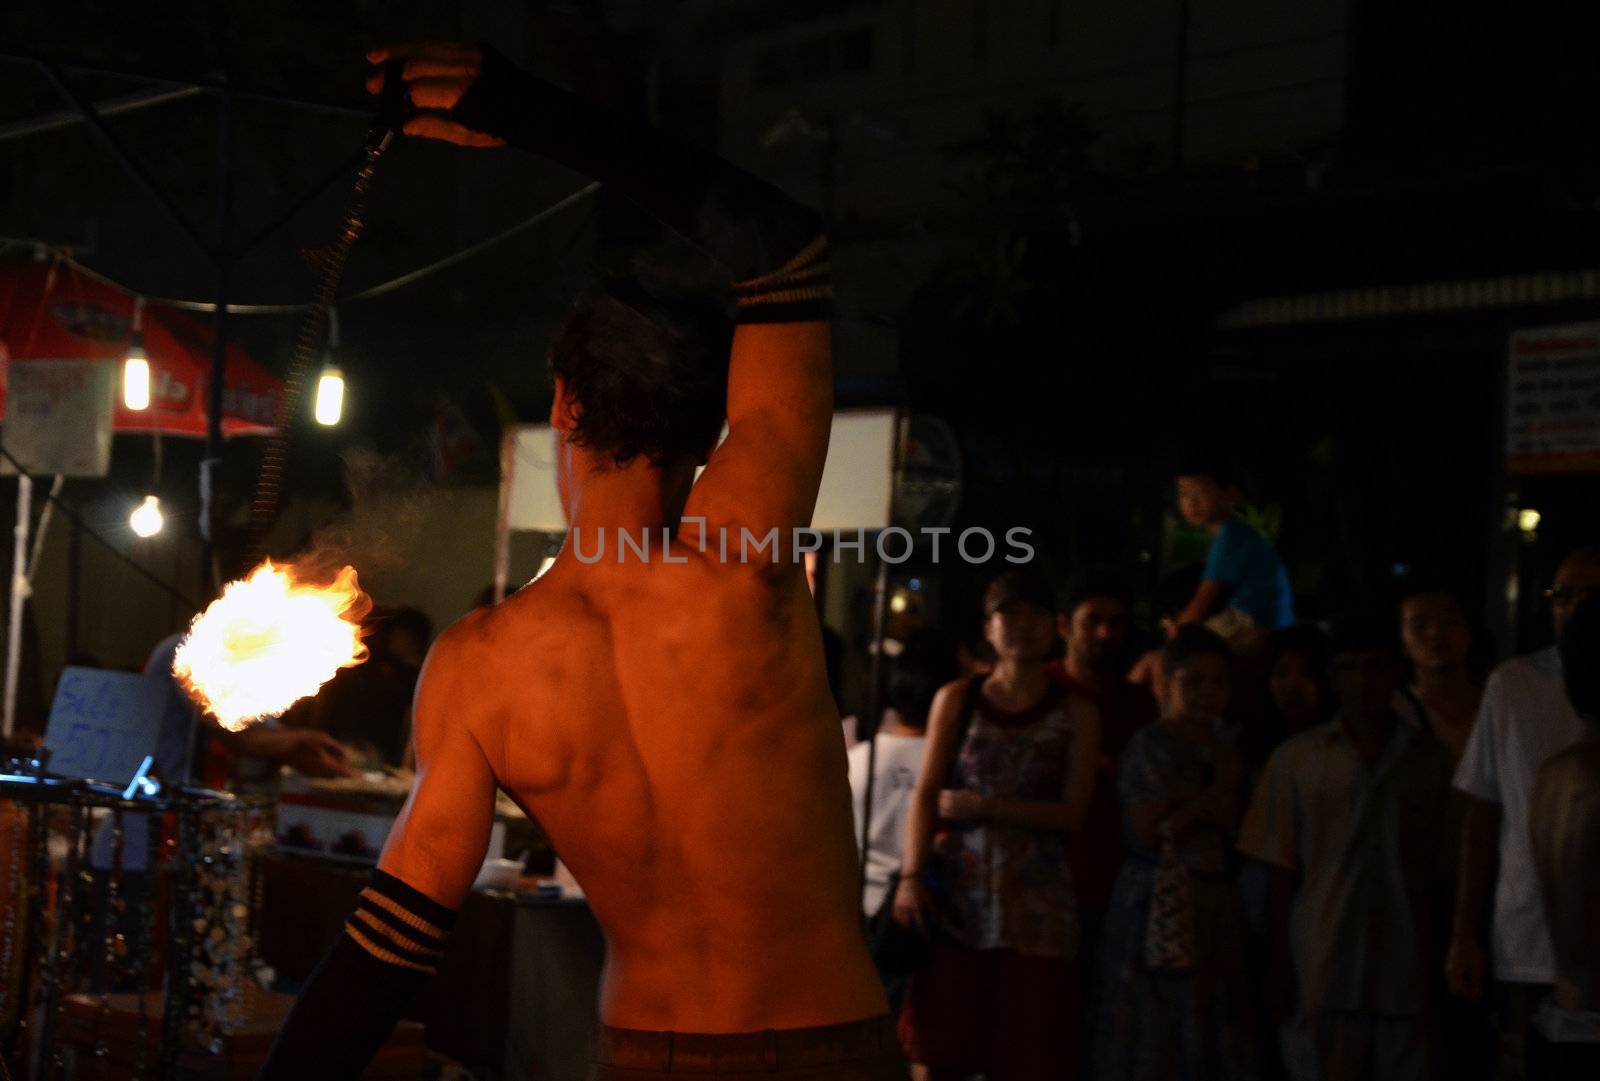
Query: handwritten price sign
{"points": [[103, 724]]}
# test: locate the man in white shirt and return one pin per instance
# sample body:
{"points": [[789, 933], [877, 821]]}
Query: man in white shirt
{"points": [[1524, 720], [1565, 821]]}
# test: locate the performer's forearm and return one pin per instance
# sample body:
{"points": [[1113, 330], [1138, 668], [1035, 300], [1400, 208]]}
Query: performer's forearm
{"points": [[388, 949], [744, 223]]}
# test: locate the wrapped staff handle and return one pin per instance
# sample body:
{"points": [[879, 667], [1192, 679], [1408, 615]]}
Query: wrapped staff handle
{"points": [[393, 104]]}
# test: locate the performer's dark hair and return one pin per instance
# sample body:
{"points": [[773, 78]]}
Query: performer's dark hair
{"points": [[650, 372]]}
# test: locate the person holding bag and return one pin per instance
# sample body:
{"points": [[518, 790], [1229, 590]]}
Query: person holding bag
{"points": [[1007, 774]]}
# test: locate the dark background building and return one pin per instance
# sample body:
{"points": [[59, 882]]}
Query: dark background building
{"points": [[1086, 236]]}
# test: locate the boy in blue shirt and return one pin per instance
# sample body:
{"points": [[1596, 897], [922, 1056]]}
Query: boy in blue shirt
{"points": [[1244, 586]]}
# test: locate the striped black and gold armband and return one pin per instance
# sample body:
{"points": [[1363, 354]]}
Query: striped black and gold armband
{"points": [[389, 947], [799, 291], [399, 926]]}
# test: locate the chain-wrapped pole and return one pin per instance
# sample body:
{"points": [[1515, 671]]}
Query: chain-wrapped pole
{"points": [[314, 327]]}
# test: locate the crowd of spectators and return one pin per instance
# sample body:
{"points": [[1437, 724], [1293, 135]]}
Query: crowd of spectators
{"points": [[1325, 851]]}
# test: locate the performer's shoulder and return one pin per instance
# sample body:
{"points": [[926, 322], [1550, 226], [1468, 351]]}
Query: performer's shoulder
{"points": [[465, 649], [516, 622]]}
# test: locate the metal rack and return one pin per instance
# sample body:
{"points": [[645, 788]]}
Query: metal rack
{"points": [[92, 929]]}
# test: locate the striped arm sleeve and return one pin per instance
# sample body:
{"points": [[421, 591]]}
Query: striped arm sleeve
{"points": [[399, 926], [389, 947]]}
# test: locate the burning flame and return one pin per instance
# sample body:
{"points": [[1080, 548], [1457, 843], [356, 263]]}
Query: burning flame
{"points": [[270, 640]]}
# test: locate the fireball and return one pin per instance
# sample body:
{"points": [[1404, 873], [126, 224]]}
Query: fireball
{"points": [[270, 640]]}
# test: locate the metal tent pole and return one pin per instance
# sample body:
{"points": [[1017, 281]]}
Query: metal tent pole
{"points": [[211, 467], [19, 597], [880, 605]]}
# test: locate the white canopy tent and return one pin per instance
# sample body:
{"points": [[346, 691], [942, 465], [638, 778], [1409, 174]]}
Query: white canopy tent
{"points": [[857, 481]]}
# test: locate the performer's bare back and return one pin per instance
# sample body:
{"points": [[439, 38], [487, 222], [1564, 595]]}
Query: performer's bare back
{"points": [[670, 726]]}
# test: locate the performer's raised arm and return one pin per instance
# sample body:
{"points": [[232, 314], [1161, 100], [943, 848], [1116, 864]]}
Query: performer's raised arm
{"points": [[766, 473], [391, 943]]}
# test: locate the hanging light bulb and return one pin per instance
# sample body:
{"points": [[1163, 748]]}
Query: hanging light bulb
{"points": [[330, 384], [146, 520], [330, 396], [136, 366]]}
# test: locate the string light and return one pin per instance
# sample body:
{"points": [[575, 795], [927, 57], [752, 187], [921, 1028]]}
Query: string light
{"points": [[146, 520], [136, 365], [330, 384]]}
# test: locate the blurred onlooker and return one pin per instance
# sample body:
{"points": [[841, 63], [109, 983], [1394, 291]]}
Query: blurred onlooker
{"points": [[1525, 719], [1173, 1001], [974, 657], [1442, 697], [1565, 830], [1298, 697], [1298, 694], [177, 757], [1437, 637], [1243, 594], [369, 705], [1244, 589], [1008, 773], [1095, 623], [916, 674], [1349, 818]]}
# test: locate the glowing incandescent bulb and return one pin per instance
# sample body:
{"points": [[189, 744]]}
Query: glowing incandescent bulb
{"points": [[330, 385], [136, 376], [330, 397], [136, 366], [146, 520]]}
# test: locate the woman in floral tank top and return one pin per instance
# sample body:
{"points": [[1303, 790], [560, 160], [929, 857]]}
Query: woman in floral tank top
{"points": [[1007, 775]]}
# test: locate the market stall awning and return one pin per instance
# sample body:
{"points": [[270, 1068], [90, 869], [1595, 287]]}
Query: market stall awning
{"points": [[48, 311]]}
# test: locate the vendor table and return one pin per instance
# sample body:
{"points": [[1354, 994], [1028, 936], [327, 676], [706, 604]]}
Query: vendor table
{"points": [[102, 1034], [517, 993]]}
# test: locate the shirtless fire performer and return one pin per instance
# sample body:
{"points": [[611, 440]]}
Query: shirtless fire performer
{"points": [[667, 721]]}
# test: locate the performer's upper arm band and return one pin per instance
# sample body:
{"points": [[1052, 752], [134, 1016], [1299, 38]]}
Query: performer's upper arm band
{"points": [[798, 291], [398, 925]]}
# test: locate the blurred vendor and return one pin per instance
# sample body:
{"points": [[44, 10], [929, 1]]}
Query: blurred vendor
{"points": [[313, 753], [368, 707]]}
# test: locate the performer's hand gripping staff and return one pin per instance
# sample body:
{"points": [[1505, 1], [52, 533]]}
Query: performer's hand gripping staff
{"points": [[779, 404]]}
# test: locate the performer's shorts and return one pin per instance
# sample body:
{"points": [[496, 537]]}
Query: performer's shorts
{"points": [[856, 1051]]}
